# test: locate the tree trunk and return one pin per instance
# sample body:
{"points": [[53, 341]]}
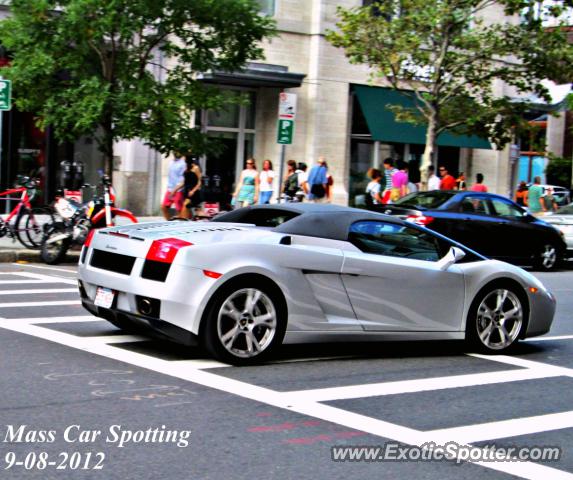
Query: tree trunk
{"points": [[428, 157], [107, 146]]}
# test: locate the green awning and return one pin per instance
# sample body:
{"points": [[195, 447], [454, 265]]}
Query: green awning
{"points": [[384, 127]]}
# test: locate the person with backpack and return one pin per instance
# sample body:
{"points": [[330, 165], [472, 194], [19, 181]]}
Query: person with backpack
{"points": [[318, 181], [291, 187]]}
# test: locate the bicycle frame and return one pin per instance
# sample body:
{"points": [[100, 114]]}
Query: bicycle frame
{"points": [[24, 201]]}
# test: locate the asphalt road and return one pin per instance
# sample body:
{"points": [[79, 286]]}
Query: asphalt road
{"points": [[62, 369]]}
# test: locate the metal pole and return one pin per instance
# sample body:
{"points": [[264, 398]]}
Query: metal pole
{"points": [[281, 171]]}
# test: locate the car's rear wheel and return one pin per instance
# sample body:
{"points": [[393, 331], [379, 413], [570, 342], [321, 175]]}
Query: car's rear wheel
{"points": [[496, 318], [547, 257], [245, 323]]}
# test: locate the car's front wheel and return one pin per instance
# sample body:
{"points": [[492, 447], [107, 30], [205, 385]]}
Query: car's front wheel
{"points": [[547, 257], [496, 318], [245, 323]]}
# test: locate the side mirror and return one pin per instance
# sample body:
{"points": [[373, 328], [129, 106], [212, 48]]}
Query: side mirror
{"points": [[454, 255]]}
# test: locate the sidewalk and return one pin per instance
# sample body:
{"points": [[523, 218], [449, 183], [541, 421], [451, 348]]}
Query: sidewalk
{"points": [[14, 251]]}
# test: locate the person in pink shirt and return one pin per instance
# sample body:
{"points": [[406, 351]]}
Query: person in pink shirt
{"points": [[479, 186], [399, 182]]}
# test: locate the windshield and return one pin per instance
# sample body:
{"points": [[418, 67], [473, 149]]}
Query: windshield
{"points": [[425, 200], [566, 210]]}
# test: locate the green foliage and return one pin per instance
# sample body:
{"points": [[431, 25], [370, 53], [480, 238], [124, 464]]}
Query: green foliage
{"points": [[451, 60], [127, 68], [558, 171]]}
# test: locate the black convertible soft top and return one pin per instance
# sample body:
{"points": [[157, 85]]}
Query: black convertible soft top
{"points": [[309, 219]]}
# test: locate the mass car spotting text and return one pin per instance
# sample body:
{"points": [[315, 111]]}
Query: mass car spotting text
{"points": [[115, 434]]}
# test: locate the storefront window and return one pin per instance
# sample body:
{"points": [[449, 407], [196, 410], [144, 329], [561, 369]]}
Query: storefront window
{"points": [[268, 7], [234, 128]]}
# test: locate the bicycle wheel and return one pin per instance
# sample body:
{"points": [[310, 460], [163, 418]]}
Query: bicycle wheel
{"points": [[31, 226]]}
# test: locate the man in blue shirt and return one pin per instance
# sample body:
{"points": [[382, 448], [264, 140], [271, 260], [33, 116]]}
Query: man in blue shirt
{"points": [[317, 182], [174, 178]]}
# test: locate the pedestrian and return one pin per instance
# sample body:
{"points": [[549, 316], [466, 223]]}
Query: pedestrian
{"points": [[479, 186], [174, 197], [549, 200], [266, 178], [433, 179], [302, 181], [291, 186], [399, 182], [521, 194], [448, 182], [389, 171], [329, 184], [373, 189], [535, 204], [461, 182], [411, 187], [192, 181], [317, 181], [247, 191]]}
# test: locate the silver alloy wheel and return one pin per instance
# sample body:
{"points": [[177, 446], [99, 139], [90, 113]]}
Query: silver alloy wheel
{"points": [[247, 322], [499, 319], [548, 256]]}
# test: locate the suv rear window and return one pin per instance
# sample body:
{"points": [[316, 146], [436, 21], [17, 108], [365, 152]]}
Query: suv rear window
{"points": [[263, 217], [423, 200]]}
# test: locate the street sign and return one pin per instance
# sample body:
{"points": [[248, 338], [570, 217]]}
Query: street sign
{"points": [[287, 106], [285, 131], [5, 95]]}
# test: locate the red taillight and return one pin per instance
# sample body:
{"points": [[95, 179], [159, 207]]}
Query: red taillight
{"points": [[422, 220], [210, 274], [88, 241], [164, 250]]}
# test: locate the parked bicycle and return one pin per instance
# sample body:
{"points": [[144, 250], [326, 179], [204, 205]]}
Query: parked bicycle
{"points": [[24, 222], [78, 219]]}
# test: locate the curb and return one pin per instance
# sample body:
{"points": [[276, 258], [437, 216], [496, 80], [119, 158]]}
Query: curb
{"points": [[11, 256]]}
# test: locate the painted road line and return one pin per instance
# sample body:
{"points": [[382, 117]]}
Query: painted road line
{"points": [[42, 267], [504, 428], [70, 319], [38, 290], [521, 362], [200, 363], [527, 470], [51, 278], [423, 385], [39, 304], [30, 281], [545, 339], [109, 339]]}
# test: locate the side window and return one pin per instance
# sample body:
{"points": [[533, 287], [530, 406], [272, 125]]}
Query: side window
{"points": [[394, 240], [475, 204], [506, 209]]}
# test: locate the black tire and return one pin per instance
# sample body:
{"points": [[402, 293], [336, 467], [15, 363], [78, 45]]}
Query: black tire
{"points": [[54, 253], [31, 226], [215, 322], [546, 257], [488, 322]]}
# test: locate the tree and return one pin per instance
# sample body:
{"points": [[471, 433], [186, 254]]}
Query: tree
{"points": [[451, 62], [122, 69]]}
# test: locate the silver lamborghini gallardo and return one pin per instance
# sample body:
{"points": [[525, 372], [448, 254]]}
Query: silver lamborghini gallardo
{"points": [[259, 276]]}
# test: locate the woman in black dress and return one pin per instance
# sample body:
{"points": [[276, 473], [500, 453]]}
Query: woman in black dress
{"points": [[191, 189]]}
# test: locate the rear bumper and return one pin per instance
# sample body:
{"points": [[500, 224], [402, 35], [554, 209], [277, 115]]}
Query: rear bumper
{"points": [[152, 326]]}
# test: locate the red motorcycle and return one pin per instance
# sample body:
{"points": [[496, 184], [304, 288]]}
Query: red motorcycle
{"points": [[77, 219]]}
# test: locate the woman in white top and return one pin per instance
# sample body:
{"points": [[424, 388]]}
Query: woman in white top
{"points": [[266, 178], [247, 191]]}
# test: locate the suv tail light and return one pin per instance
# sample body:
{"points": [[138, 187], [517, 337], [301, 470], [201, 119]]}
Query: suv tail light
{"points": [[164, 250], [422, 220]]}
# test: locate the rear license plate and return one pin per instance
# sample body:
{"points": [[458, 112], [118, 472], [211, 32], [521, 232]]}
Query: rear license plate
{"points": [[104, 297]]}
